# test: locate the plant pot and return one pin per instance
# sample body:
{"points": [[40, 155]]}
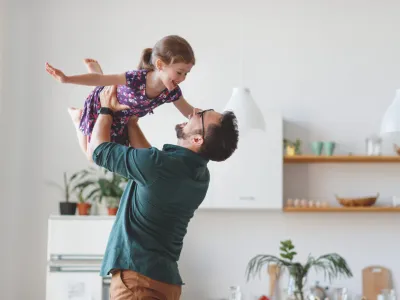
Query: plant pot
{"points": [[84, 208], [68, 208], [99, 208], [290, 150], [112, 211]]}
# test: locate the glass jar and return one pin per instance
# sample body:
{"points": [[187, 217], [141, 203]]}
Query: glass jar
{"points": [[235, 293], [374, 145], [341, 294]]}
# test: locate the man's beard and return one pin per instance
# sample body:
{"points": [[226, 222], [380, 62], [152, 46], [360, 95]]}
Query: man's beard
{"points": [[179, 132]]}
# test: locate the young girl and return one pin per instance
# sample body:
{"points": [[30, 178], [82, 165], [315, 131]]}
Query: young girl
{"points": [[156, 81]]}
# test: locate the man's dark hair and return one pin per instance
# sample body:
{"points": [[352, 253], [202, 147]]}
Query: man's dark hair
{"points": [[221, 139]]}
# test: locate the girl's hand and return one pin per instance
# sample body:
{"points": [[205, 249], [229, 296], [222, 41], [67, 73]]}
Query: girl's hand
{"points": [[57, 74]]}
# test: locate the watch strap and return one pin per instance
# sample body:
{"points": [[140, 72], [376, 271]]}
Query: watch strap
{"points": [[106, 111]]}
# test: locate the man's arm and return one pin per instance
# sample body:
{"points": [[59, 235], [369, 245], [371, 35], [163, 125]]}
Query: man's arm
{"points": [[102, 128], [139, 165], [101, 132], [136, 137]]}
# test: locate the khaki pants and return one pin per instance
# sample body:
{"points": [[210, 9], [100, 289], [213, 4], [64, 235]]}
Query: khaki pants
{"points": [[130, 285]]}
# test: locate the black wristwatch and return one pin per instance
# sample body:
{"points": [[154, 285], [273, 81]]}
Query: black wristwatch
{"points": [[106, 111]]}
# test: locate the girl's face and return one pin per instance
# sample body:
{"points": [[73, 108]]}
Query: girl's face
{"points": [[173, 74]]}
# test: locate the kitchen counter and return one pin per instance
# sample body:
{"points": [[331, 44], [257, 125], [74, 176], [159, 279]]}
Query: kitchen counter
{"points": [[80, 218]]}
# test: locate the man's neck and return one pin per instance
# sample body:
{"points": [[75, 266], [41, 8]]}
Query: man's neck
{"points": [[185, 144]]}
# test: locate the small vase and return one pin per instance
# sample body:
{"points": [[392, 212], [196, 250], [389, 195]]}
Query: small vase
{"points": [[293, 292]]}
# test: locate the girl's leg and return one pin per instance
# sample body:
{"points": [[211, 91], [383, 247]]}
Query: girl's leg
{"points": [[93, 67], [76, 114]]}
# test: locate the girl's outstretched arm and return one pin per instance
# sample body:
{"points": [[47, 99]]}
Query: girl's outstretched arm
{"points": [[91, 79]]}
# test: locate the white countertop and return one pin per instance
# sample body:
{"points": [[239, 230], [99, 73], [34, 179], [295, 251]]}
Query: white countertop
{"points": [[79, 217]]}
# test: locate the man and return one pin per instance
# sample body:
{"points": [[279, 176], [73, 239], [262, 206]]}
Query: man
{"points": [[165, 188]]}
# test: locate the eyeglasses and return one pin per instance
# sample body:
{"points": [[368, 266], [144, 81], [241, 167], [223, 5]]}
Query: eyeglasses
{"points": [[201, 114]]}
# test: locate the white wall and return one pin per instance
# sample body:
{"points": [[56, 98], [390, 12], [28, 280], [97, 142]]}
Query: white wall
{"points": [[23, 215], [331, 67], [7, 199]]}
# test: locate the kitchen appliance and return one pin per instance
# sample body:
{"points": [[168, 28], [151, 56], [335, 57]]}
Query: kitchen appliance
{"points": [[75, 277], [76, 245]]}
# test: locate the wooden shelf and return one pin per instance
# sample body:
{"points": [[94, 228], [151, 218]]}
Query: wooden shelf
{"points": [[342, 209], [299, 159]]}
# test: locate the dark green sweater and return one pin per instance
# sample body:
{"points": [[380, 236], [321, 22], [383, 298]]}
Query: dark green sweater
{"points": [[164, 190]]}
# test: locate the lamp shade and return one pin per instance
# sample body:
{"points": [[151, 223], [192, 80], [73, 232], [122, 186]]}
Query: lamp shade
{"points": [[248, 114], [391, 118]]}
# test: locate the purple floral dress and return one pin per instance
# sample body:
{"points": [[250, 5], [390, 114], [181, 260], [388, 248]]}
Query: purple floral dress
{"points": [[132, 94]]}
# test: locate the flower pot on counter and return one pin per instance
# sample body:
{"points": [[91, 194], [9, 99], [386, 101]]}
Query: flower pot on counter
{"points": [[84, 208], [112, 211], [68, 208]]}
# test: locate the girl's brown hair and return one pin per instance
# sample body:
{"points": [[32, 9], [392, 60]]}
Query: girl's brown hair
{"points": [[170, 49]]}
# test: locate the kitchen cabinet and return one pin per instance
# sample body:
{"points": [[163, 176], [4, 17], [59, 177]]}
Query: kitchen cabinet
{"points": [[69, 235], [252, 177]]}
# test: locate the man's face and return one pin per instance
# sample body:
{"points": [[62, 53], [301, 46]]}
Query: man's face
{"points": [[195, 124]]}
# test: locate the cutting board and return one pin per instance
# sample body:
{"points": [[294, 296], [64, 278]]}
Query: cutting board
{"points": [[375, 279], [273, 272]]}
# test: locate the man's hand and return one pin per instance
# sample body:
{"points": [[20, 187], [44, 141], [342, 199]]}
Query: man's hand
{"points": [[108, 98], [56, 73], [133, 120]]}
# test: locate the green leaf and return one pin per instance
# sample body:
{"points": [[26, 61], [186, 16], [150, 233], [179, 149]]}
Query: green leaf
{"points": [[256, 263], [84, 184], [93, 193], [283, 255]]}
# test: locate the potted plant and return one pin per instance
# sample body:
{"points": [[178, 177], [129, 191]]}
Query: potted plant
{"points": [[112, 205], [331, 264], [107, 185], [292, 148], [111, 188], [86, 181], [66, 207], [83, 204]]}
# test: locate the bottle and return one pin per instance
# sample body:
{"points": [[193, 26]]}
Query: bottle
{"points": [[235, 293], [373, 145], [392, 294]]}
